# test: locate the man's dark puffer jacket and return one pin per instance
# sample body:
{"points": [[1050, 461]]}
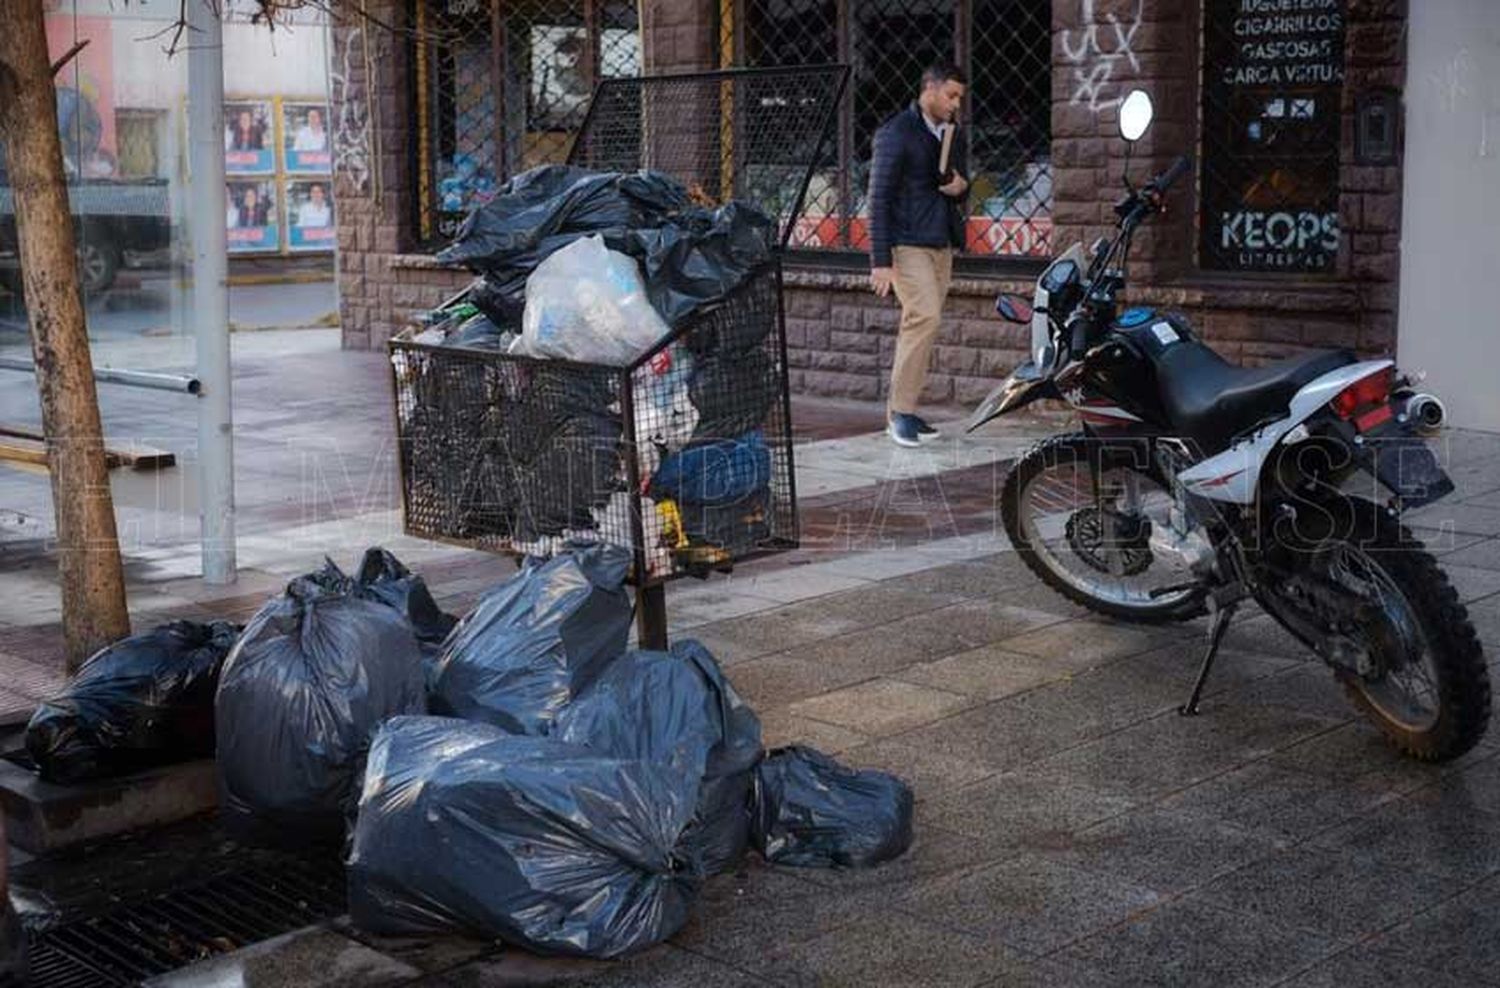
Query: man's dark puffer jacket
{"points": [[906, 208]]}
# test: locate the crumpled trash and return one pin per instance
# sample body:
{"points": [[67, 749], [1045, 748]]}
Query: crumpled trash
{"points": [[586, 303], [812, 812], [314, 673], [547, 845], [535, 642], [145, 700], [677, 708]]}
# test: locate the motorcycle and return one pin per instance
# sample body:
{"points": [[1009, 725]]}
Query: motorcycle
{"points": [[1195, 485]]}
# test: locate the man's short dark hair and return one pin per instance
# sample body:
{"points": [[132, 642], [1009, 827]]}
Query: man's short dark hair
{"points": [[940, 72]]}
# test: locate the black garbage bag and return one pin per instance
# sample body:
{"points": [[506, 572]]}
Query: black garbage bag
{"points": [[690, 255], [701, 255], [536, 641], [679, 709], [553, 847], [145, 700], [481, 332], [576, 471], [314, 673], [812, 812], [733, 393], [382, 577], [525, 221]]}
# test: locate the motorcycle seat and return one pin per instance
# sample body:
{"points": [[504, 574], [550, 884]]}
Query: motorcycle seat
{"points": [[1211, 401]]}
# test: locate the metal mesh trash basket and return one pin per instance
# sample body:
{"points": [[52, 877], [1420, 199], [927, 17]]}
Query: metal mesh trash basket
{"points": [[685, 456]]}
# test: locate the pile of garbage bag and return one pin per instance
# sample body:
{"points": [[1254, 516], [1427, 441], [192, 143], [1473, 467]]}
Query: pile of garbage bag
{"points": [[543, 784], [582, 796], [145, 700]]}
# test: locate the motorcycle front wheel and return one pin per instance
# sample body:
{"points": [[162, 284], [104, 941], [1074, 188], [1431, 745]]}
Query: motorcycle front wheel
{"points": [[1088, 536]]}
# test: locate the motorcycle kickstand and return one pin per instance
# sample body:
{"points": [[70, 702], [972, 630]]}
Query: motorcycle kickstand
{"points": [[1216, 632]]}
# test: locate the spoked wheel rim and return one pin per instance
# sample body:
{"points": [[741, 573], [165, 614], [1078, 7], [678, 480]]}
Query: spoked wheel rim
{"points": [[1402, 677], [1098, 547], [93, 267]]}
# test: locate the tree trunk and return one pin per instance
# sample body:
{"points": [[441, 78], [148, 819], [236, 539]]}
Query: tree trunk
{"points": [[88, 549]]}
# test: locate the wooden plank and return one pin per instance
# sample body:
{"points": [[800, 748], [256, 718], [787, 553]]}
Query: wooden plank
{"points": [[20, 450], [136, 455]]}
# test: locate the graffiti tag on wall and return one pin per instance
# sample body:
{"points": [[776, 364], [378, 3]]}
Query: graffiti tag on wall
{"points": [[1096, 51]]}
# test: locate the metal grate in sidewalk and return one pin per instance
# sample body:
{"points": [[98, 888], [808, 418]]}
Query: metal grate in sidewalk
{"points": [[137, 940]]}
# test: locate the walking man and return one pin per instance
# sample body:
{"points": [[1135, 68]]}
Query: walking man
{"points": [[916, 220]]}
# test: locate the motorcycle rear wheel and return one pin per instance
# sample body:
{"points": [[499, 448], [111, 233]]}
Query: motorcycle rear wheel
{"points": [[1427, 687]]}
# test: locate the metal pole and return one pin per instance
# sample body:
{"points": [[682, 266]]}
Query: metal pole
{"points": [[118, 375], [210, 289]]}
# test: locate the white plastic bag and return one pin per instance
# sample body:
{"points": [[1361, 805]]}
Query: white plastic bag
{"points": [[587, 303]]}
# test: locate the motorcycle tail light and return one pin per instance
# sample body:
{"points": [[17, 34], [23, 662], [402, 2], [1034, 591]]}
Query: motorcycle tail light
{"points": [[1365, 401]]}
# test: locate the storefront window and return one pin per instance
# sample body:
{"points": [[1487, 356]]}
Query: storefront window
{"points": [[501, 88], [1273, 77], [1005, 48]]}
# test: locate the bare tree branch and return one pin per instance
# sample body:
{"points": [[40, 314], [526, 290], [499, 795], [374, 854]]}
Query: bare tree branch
{"points": [[67, 56]]}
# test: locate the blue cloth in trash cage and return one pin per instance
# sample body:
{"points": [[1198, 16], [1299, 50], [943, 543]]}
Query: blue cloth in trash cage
{"points": [[725, 471]]}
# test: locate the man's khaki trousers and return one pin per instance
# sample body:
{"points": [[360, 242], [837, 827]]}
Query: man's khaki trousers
{"points": [[923, 275]]}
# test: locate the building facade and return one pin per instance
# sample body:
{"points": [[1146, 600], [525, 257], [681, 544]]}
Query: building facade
{"points": [[1288, 236]]}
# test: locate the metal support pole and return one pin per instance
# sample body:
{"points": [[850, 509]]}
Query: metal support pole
{"points": [[211, 290]]}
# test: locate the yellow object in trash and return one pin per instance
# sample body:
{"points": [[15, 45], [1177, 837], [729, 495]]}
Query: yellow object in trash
{"points": [[673, 534]]}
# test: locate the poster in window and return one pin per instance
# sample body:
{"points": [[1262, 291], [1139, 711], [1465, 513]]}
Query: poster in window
{"points": [[250, 215], [304, 138], [1272, 90], [248, 141], [310, 224]]}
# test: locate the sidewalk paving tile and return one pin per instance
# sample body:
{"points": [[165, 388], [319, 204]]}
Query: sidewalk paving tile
{"points": [[1281, 802], [777, 680], [894, 950], [1359, 966], [1167, 851], [1460, 937], [1024, 812], [881, 707], [1407, 833], [663, 966], [987, 673], [1190, 943], [1325, 891], [1028, 903], [928, 773], [779, 727]]}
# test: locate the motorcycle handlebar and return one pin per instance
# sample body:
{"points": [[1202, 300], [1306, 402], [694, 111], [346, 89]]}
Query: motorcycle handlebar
{"points": [[1179, 168]]}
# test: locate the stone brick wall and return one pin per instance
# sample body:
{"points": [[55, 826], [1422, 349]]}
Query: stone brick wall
{"points": [[841, 338]]}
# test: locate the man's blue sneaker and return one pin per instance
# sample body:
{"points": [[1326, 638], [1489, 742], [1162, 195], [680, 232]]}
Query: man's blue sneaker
{"points": [[925, 432], [903, 430]]}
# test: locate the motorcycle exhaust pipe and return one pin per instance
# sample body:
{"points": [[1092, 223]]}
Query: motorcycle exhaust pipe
{"points": [[1424, 411]]}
